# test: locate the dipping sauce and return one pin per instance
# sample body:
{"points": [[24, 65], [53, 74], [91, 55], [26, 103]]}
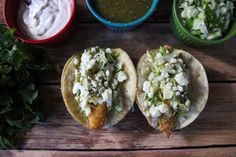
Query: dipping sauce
{"points": [[43, 18], [122, 11]]}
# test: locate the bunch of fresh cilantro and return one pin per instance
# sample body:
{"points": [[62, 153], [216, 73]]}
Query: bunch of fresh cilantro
{"points": [[18, 93]]}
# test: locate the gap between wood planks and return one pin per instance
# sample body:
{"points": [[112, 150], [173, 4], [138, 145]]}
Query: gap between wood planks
{"points": [[233, 146], [216, 152]]}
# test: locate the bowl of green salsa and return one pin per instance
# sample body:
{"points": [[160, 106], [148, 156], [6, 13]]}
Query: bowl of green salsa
{"points": [[121, 15]]}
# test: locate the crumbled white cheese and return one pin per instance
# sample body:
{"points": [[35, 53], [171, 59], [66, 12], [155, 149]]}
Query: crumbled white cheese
{"points": [[91, 64], [177, 93], [93, 49], [94, 83], [167, 94], [83, 103], [107, 97], [166, 79], [179, 68], [85, 59], [108, 50], [121, 76], [107, 73], [173, 60], [174, 88], [76, 88], [151, 76], [147, 103], [180, 88], [182, 79], [96, 100], [168, 85], [154, 111], [146, 86], [151, 92], [106, 83], [164, 74], [174, 105], [163, 108], [93, 77]]}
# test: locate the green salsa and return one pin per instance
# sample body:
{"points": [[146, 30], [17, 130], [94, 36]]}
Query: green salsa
{"points": [[122, 11]]}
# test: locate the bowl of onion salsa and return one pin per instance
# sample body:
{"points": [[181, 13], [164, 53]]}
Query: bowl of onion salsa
{"points": [[121, 15], [203, 22]]}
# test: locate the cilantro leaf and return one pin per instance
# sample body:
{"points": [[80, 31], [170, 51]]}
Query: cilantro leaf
{"points": [[18, 93]]}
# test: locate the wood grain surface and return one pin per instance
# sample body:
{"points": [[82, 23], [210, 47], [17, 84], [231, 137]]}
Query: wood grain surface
{"points": [[214, 152], [215, 126], [212, 134], [219, 60]]}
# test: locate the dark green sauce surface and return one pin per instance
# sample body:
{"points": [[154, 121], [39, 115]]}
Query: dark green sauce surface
{"points": [[122, 11]]}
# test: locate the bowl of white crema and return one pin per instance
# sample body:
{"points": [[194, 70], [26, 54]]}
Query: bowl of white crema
{"points": [[44, 22]]}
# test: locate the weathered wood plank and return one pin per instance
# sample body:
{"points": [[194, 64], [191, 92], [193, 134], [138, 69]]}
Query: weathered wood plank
{"points": [[219, 60], [208, 152], [215, 126]]}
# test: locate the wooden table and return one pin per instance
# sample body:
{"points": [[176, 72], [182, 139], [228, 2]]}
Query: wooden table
{"points": [[212, 134]]}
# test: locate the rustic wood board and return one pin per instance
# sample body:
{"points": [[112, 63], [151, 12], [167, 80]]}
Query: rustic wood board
{"points": [[216, 152], [212, 134], [215, 126], [219, 60]]}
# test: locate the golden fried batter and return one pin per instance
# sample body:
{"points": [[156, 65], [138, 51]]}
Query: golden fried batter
{"points": [[166, 124], [97, 117]]}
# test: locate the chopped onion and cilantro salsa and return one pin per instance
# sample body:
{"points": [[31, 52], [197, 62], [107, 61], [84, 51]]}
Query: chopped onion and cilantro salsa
{"points": [[207, 19], [98, 77], [166, 84]]}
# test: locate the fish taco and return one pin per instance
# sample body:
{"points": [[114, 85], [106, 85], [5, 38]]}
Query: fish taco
{"points": [[99, 86], [172, 88]]}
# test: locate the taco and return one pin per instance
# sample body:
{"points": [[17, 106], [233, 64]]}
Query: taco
{"points": [[99, 86], [172, 88]]}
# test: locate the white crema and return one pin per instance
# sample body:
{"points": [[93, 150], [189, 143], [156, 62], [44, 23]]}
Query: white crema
{"points": [[43, 18]]}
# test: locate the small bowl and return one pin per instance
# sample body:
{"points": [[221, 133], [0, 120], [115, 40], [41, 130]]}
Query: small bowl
{"points": [[184, 35], [120, 27], [10, 14]]}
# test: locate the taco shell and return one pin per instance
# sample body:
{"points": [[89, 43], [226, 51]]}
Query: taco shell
{"points": [[198, 88], [128, 90]]}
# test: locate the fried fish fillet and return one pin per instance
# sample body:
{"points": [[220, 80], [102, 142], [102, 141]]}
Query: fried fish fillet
{"points": [[166, 124], [98, 116]]}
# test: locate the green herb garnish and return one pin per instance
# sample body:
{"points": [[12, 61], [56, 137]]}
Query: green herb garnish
{"points": [[18, 93]]}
